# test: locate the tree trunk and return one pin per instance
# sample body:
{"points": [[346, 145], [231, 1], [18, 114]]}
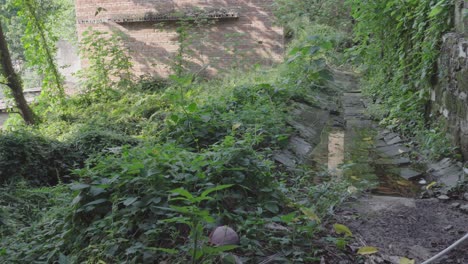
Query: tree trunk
{"points": [[13, 81]]}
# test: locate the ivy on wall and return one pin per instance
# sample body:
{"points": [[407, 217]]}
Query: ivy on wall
{"points": [[399, 41]]}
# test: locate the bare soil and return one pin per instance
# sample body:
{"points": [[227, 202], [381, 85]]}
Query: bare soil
{"points": [[404, 227]]}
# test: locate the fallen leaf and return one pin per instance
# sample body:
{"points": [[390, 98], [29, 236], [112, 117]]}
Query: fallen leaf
{"points": [[407, 261], [342, 229], [432, 184], [367, 250], [367, 139], [235, 126], [403, 183], [352, 189]]}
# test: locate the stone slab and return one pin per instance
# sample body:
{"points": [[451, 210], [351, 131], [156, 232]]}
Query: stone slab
{"points": [[395, 161], [300, 147], [395, 140], [390, 136], [394, 150], [286, 158], [384, 203], [410, 174]]}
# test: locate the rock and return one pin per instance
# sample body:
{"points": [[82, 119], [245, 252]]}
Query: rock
{"points": [[394, 150], [389, 137], [286, 158], [423, 182], [394, 141], [464, 208], [409, 173], [443, 197], [454, 205], [449, 227], [465, 196], [394, 161], [300, 147], [224, 235], [446, 172]]}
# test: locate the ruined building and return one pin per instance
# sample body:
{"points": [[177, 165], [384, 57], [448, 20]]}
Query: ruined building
{"points": [[223, 34]]}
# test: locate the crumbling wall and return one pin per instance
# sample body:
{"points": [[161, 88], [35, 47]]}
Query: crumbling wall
{"points": [[239, 32], [450, 95]]}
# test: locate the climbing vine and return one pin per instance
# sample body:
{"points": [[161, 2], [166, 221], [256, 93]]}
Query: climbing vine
{"points": [[399, 41]]}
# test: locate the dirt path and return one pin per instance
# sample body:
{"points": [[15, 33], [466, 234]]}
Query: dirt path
{"points": [[392, 217]]}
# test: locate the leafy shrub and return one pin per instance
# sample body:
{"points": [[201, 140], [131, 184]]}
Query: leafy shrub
{"points": [[24, 155], [91, 140]]}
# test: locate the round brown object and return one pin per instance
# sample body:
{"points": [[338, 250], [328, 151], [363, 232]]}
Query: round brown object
{"points": [[224, 235]]}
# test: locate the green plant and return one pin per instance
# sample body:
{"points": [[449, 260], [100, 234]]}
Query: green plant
{"points": [[109, 65], [39, 43], [194, 217], [399, 43]]}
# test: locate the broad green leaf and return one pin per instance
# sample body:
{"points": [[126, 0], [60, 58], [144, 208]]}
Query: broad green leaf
{"points": [[182, 192], [218, 249], [342, 229], [79, 186], [130, 201], [214, 189], [192, 107], [436, 10], [367, 250], [98, 201], [272, 207], [407, 261], [165, 250], [175, 118], [288, 218], [235, 126]]}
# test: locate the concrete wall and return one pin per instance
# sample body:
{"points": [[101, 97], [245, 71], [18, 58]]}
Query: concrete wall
{"points": [[69, 63], [3, 118], [450, 95], [245, 40]]}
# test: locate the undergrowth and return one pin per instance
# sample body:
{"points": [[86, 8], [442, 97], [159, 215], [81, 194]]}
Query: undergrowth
{"points": [[143, 169]]}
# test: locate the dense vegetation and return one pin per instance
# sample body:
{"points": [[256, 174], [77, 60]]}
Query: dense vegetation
{"points": [[141, 170], [399, 43]]}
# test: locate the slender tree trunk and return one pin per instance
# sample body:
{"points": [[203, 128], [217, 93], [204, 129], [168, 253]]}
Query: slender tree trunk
{"points": [[13, 81]]}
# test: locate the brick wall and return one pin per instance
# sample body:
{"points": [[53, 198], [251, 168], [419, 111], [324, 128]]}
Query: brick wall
{"points": [[249, 38]]}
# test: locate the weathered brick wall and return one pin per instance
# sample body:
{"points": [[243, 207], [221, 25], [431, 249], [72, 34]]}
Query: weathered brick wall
{"points": [[450, 95], [251, 38]]}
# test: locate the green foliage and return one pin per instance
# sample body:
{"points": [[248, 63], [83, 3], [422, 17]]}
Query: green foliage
{"points": [[39, 46], [160, 164], [109, 66], [334, 13], [24, 155], [399, 42]]}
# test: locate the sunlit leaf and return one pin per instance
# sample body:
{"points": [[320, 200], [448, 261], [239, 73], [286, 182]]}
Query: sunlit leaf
{"points": [[310, 214], [407, 261], [403, 183], [342, 229], [235, 126], [432, 184], [367, 250]]}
